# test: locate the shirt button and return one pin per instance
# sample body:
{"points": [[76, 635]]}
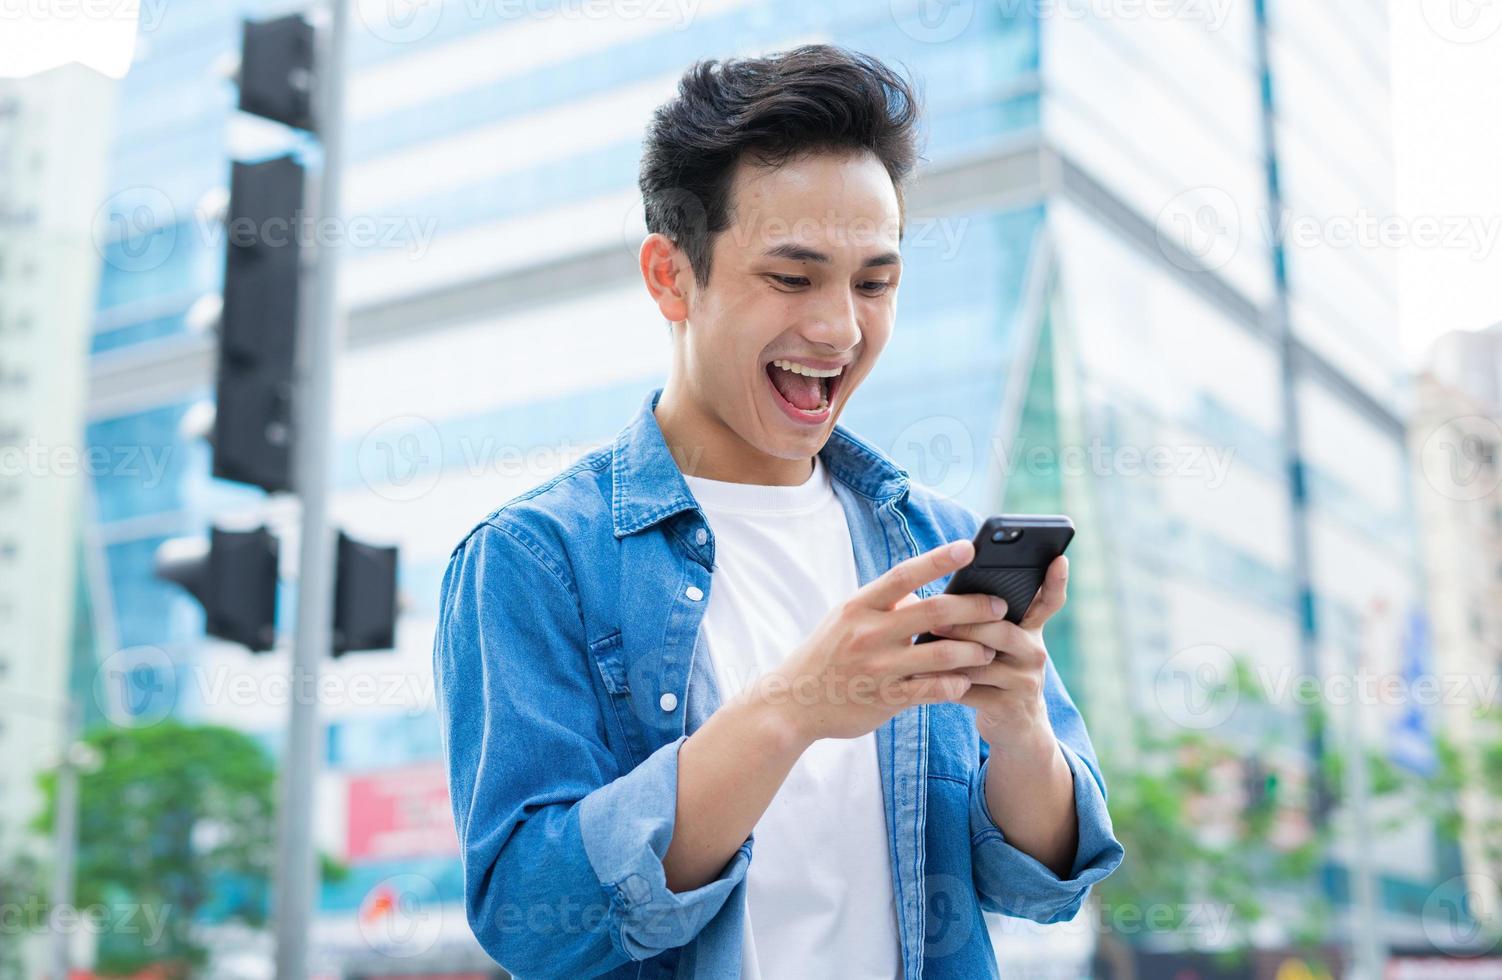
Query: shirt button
{"points": [[694, 592], [668, 701], [701, 535]]}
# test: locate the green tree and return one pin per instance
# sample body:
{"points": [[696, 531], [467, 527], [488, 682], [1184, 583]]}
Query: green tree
{"points": [[1438, 794], [20, 883], [1179, 876], [173, 813], [1180, 868]]}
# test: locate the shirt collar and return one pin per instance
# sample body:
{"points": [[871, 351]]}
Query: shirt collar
{"points": [[649, 487]]}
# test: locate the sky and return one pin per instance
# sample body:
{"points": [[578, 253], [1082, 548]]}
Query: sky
{"points": [[1447, 128]]}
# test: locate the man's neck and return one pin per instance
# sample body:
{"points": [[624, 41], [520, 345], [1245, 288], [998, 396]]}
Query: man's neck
{"points": [[705, 447]]}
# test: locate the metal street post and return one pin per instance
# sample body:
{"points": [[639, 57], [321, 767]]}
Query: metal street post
{"points": [[1368, 954], [64, 814], [320, 340], [65, 838]]}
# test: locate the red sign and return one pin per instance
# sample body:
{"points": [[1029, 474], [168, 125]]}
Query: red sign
{"points": [[401, 813]]}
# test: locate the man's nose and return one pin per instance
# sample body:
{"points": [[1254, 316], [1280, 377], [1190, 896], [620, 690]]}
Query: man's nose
{"points": [[835, 323]]}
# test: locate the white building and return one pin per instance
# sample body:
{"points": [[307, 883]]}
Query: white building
{"points": [[53, 141], [1456, 441]]}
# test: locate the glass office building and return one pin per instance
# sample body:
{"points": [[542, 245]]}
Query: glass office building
{"points": [[1094, 319]]}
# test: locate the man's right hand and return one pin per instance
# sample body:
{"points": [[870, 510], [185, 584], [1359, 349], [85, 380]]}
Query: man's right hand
{"points": [[854, 672]]}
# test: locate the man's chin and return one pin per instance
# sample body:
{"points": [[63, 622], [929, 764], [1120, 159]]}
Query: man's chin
{"points": [[796, 442]]}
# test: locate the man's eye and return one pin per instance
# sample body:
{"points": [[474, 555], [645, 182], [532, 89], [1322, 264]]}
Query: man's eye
{"points": [[874, 287]]}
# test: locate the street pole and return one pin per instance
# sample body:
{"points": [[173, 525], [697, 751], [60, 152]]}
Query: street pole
{"points": [[1367, 952], [320, 340], [67, 715], [64, 839]]}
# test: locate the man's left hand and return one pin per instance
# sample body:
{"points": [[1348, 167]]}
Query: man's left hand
{"points": [[1007, 693]]}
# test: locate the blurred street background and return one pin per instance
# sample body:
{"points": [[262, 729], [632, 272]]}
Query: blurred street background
{"points": [[1219, 279]]}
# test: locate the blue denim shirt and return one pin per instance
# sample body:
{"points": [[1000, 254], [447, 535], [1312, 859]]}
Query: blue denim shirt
{"points": [[570, 670]]}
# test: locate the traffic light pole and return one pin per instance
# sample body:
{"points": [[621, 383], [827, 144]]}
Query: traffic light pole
{"points": [[320, 340], [1368, 951], [65, 838]]}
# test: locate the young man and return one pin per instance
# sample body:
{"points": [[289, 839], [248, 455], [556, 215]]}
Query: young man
{"points": [[688, 732]]}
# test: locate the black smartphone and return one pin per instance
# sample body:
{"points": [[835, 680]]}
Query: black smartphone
{"points": [[1012, 554]]}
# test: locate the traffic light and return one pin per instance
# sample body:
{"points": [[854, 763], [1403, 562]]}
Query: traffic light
{"points": [[364, 597], [233, 576], [257, 375], [276, 70], [253, 421], [258, 325], [1259, 783]]}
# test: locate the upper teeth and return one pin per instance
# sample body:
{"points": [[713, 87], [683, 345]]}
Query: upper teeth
{"points": [[811, 372]]}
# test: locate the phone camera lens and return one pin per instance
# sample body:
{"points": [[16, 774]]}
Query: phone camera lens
{"points": [[1006, 535]]}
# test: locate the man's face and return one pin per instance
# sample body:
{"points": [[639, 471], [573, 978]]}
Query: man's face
{"points": [[800, 302]]}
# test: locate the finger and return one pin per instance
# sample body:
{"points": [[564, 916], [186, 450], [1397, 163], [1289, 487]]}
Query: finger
{"points": [[1001, 674], [979, 674], [1051, 595], [944, 609], [941, 656], [908, 576], [932, 688], [1008, 639]]}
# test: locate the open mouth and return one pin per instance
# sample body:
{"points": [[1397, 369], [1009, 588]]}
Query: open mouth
{"points": [[805, 392]]}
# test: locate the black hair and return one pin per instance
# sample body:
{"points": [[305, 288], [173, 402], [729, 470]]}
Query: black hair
{"points": [[812, 98]]}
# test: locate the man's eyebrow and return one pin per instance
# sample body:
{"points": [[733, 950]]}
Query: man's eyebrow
{"points": [[802, 253]]}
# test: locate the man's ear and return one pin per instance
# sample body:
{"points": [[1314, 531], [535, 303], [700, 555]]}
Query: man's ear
{"points": [[664, 269]]}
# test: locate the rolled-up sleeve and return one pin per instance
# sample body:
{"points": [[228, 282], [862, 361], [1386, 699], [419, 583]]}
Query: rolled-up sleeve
{"points": [[1015, 883], [562, 851]]}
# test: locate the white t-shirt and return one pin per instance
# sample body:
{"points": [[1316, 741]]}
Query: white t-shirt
{"points": [[819, 888]]}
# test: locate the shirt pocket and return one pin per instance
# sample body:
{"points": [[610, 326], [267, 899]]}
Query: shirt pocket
{"points": [[953, 744], [609, 656]]}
